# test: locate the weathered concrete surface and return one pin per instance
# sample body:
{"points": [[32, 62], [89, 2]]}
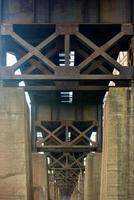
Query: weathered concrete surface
{"points": [[14, 146], [78, 193], [59, 11], [54, 190], [51, 187], [75, 194], [57, 193], [92, 177], [81, 186], [40, 177], [117, 176]]}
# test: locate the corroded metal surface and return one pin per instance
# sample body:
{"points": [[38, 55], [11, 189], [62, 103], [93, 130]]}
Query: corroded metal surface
{"points": [[51, 11], [37, 32]]}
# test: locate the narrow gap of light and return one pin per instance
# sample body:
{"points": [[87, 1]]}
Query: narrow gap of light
{"points": [[62, 59], [112, 83], [93, 136], [66, 96], [85, 161], [62, 101], [70, 93], [71, 59], [62, 65], [48, 160], [123, 58], [93, 152], [40, 152], [69, 136], [66, 93], [72, 53], [39, 134], [71, 64], [62, 54], [10, 59], [116, 72]]}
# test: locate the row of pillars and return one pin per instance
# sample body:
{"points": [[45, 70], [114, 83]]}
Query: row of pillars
{"points": [[88, 185], [108, 176], [78, 193]]}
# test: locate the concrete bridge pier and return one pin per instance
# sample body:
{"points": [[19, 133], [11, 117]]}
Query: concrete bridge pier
{"points": [[117, 174], [15, 159], [92, 177], [40, 177], [81, 186]]}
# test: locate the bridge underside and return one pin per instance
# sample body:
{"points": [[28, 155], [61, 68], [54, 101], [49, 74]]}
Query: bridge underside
{"points": [[67, 55]]}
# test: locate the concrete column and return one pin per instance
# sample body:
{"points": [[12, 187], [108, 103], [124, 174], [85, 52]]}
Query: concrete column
{"points": [[117, 176], [81, 186], [92, 177], [40, 176], [52, 186], [131, 143], [75, 194], [14, 145], [57, 193], [54, 189]]}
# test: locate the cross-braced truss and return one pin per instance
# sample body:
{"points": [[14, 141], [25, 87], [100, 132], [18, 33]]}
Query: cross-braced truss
{"points": [[67, 144], [66, 57], [94, 59], [66, 135]]}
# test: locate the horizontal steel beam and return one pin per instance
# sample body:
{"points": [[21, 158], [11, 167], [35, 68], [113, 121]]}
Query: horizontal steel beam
{"points": [[69, 28], [54, 88], [74, 148], [91, 77], [64, 169]]}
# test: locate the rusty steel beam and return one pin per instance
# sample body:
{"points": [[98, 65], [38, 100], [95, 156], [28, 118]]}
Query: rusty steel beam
{"points": [[35, 11], [68, 168], [54, 88], [76, 148], [67, 49], [6, 75]]}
